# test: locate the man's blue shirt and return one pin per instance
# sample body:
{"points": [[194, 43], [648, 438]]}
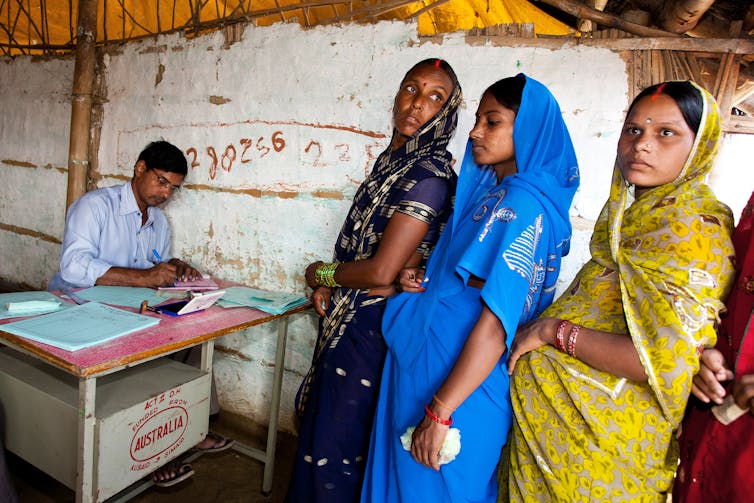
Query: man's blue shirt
{"points": [[103, 230]]}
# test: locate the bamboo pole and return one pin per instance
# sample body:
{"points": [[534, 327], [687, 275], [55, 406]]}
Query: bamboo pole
{"points": [[81, 104]]}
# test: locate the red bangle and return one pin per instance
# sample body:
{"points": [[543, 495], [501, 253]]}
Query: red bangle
{"points": [[573, 335], [434, 417], [560, 336]]}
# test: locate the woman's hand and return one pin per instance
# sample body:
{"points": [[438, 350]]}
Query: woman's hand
{"points": [[530, 336], [743, 392], [410, 279], [311, 269], [321, 299], [712, 371], [426, 442]]}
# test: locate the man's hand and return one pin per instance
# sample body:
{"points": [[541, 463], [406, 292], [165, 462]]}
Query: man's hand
{"points": [[183, 271]]}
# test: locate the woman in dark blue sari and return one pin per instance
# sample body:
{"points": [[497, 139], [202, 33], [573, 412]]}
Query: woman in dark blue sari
{"points": [[396, 218], [494, 268]]}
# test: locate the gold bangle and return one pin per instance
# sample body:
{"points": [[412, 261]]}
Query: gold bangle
{"points": [[443, 404]]}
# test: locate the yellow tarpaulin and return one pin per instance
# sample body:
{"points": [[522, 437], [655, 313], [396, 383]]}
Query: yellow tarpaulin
{"points": [[26, 27], [466, 14]]}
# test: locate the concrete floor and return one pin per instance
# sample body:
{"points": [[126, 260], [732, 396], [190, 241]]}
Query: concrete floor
{"points": [[226, 477]]}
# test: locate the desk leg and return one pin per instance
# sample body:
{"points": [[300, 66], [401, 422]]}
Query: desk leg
{"points": [[85, 460], [277, 386], [206, 363]]}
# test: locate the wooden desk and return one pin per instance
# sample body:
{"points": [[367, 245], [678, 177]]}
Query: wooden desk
{"points": [[170, 335]]}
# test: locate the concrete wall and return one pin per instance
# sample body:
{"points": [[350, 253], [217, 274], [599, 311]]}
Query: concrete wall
{"points": [[279, 129]]}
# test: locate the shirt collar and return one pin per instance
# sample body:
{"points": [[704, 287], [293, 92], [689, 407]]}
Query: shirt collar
{"points": [[128, 203]]}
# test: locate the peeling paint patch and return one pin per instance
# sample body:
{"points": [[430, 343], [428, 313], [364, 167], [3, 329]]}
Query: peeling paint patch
{"points": [[219, 100], [155, 49], [21, 164], [160, 73], [281, 194], [328, 194], [28, 232], [233, 353]]}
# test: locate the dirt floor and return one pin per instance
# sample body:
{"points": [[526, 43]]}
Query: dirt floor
{"points": [[226, 477]]}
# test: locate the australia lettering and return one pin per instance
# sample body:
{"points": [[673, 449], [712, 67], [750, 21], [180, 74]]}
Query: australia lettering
{"points": [[170, 426]]}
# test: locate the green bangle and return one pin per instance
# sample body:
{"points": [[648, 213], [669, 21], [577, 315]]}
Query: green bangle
{"points": [[325, 275]]}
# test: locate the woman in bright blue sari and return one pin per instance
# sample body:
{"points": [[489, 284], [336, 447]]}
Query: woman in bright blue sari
{"points": [[494, 268]]}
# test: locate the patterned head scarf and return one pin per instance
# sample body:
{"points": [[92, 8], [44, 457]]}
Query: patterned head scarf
{"points": [[671, 249], [426, 149]]}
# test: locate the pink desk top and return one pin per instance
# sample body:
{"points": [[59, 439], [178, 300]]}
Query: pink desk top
{"points": [[171, 334]]}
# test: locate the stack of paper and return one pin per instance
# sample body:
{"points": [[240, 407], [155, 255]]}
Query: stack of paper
{"points": [[264, 300], [17, 304], [80, 326]]}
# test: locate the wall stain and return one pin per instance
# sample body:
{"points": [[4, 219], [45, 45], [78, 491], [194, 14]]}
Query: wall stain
{"points": [[219, 100], [160, 73], [328, 194], [28, 232], [233, 353], [154, 49], [20, 164]]}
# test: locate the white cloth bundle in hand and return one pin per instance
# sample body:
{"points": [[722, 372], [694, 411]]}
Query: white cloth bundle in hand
{"points": [[449, 449]]}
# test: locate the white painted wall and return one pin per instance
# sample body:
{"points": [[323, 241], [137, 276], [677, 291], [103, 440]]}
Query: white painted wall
{"points": [[294, 120]]}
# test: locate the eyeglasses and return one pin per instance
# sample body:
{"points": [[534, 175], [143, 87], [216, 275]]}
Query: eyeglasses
{"points": [[164, 183]]}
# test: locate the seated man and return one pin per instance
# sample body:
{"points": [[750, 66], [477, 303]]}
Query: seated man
{"points": [[118, 236]]}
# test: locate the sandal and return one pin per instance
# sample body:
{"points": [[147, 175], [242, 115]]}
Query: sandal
{"points": [[219, 443], [176, 470]]}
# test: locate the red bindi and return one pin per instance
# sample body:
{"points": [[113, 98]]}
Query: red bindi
{"points": [[424, 84]]}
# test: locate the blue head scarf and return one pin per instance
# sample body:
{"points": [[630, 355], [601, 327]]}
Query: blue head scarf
{"points": [[547, 170]]}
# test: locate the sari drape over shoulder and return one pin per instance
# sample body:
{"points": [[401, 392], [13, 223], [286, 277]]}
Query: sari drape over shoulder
{"points": [[337, 397], [512, 235], [659, 269]]}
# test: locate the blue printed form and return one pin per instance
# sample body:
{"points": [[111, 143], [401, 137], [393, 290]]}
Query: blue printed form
{"points": [[121, 295], [13, 305], [264, 300], [80, 326]]}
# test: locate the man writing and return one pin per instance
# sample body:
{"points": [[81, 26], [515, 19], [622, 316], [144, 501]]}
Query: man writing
{"points": [[118, 236]]}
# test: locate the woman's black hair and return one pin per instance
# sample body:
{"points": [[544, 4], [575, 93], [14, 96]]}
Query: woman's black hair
{"points": [[437, 63], [687, 97], [508, 92]]}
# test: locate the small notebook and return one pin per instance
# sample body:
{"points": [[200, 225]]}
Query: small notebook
{"points": [[198, 285]]}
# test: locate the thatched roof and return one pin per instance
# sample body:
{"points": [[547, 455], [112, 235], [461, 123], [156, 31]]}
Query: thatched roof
{"points": [[50, 26]]}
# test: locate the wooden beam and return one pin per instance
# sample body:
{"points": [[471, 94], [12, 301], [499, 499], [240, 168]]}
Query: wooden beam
{"points": [[81, 106], [581, 11], [711, 46], [681, 16]]}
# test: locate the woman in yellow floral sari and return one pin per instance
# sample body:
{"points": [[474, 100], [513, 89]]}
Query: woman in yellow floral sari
{"points": [[601, 380]]}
